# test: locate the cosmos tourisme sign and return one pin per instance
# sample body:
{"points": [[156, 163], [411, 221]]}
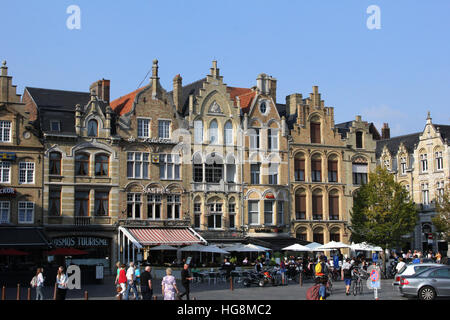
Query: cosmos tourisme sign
{"points": [[80, 241]]}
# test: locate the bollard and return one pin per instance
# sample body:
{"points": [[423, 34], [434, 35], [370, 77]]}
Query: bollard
{"points": [[301, 279], [231, 283], [18, 292], [29, 294], [4, 293], [86, 297], [54, 292]]}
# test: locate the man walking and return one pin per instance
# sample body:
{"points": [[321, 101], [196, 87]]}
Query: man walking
{"points": [[146, 284], [131, 279], [185, 278]]}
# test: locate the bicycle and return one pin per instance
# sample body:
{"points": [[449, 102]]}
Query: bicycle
{"points": [[357, 285]]}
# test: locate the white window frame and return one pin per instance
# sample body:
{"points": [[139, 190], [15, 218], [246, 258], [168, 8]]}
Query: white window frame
{"points": [[215, 212], [228, 134], [198, 131], [143, 127], [198, 212], [271, 213], [154, 199], [163, 132], [5, 205], [28, 205], [272, 135], [403, 166], [175, 201], [255, 138], [439, 161], [5, 131], [232, 214], [134, 198], [24, 169], [273, 174], [252, 223], [423, 163], [58, 124], [164, 166], [425, 194], [131, 158], [5, 170], [213, 133]]}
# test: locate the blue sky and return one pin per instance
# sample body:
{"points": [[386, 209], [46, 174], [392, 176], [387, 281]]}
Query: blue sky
{"points": [[394, 74]]}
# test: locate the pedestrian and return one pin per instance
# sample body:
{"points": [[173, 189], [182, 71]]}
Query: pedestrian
{"points": [[416, 259], [227, 267], [38, 283], [137, 273], [61, 280], [146, 284], [400, 265], [245, 261], [438, 257], [116, 281], [258, 266], [322, 277], [169, 286], [131, 282], [122, 280], [346, 275], [185, 278]]}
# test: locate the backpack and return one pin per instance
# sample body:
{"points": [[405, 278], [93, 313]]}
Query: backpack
{"points": [[33, 282], [318, 268], [313, 292]]}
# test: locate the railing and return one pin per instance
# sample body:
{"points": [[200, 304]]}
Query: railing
{"points": [[82, 221]]}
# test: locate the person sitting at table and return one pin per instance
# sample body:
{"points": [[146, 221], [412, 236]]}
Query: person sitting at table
{"points": [[245, 261], [227, 267]]}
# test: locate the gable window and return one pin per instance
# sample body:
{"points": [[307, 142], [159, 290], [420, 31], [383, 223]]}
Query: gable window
{"points": [[228, 133], [101, 203], [315, 132], [101, 165], [439, 161], [263, 107], [137, 165], [403, 165], [198, 131], [5, 171], [26, 172], [143, 128], [272, 139], [134, 205], [154, 206], [254, 138], [423, 163], [81, 203], [55, 125], [5, 131], [213, 132], [164, 129], [169, 167], [54, 205], [359, 139], [4, 211], [92, 128], [173, 207], [82, 164], [55, 163], [26, 212]]}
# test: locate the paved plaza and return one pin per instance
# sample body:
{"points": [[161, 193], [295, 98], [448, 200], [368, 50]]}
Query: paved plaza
{"points": [[221, 291]]}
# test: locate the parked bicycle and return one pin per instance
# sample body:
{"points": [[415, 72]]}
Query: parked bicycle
{"points": [[357, 282]]}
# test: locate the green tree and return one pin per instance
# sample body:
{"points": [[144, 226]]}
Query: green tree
{"points": [[442, 220], [382, 211]]}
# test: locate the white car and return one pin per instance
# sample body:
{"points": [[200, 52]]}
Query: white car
{"points": [[413, 268]]}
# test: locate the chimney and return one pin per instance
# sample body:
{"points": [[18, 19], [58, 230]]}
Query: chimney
{"points": [[101, 89], [292, 101], [273, 89], [385, 132], [177, 91], [215, 70], [154, 79]]}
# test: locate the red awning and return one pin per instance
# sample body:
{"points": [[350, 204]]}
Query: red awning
{"points": [[66, 252], [12, 252], [169, 236]]}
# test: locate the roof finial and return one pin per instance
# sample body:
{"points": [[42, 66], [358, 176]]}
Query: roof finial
{"points": [[4, 63]]}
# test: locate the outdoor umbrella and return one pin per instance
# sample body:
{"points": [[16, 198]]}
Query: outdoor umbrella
{"points": [[333, 245], [313, 246], [364, 247], [214, 249], [163, 247], [12, 252], [297, 247], [193, 248], [248, 248], [66, 252]]}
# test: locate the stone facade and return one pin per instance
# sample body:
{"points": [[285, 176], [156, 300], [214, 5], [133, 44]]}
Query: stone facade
{"points": [[420, 162]]}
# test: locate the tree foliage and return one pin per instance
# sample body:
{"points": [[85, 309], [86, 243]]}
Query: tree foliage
{"points": [[442, 220], [382, 211]]}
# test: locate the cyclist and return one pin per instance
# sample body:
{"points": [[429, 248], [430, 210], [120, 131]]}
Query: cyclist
{"points": [[321, 270], [346, 274]]}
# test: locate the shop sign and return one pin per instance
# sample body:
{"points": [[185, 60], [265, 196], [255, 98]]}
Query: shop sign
{"points": [[80, 241], [8, 156], [161, 191], [270, 196], [7, 192]]}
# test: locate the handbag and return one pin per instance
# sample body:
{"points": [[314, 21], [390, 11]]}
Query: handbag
{"points": [[118, 288]]}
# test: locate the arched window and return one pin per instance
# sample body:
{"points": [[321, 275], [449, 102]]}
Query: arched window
{"points": [[213, 132], [55, 163], [101, 165], [81, 164], [333, 169], [317, 207], [92, 128], [316, 168], [333, 205], [318, 235], [198, 131], [228, 133], [301, 234], [299, 167], [335, 235], [214, 213], [359, 139], [197, 212], [300, 205], [315, 131]]}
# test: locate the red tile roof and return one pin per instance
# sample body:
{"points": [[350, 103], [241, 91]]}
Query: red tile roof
{"points": [[245, 95], [124, 104]]}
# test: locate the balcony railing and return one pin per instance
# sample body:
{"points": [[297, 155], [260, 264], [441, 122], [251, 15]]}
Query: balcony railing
{"points": [[82, 221]]}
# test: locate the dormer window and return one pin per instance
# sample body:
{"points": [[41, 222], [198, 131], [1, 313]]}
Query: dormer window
{"points": [[263, 107], [92, 128], [55, 126]]}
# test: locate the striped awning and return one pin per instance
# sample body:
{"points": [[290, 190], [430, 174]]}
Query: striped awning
{"points": [[167, 236]]}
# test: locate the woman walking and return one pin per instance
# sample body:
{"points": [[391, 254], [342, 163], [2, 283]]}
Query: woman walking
{"points": [[61, 280], [122, 279], [39, 284], [169, 286], [347, 268]]}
